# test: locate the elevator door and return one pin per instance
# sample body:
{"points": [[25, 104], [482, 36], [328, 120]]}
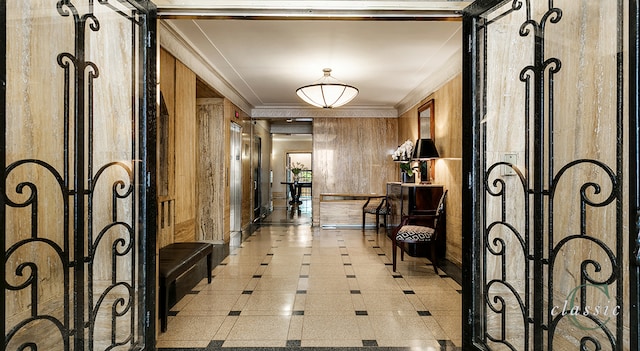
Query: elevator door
{"points": [[256, 161], [550, 205], [235, 178]]}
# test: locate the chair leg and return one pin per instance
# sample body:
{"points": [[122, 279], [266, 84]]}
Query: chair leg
{"points": [[363, 215], [384, 218], [393, 255], [377, 222], [401, 252], [434, 257]]}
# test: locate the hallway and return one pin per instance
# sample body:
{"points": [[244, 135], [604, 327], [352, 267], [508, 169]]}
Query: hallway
{"points": [[290, 285]]}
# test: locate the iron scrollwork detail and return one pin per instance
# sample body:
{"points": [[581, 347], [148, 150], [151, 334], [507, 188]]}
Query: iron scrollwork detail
{"points": [[527, 298], [88, 259]]}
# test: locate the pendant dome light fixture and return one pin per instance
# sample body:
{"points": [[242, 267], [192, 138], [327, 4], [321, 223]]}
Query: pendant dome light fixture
{"points": [[327, 92]]}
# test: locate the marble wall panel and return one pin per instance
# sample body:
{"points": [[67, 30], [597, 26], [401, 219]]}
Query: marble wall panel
{"points": [[34, 119], [37, 192], [344, 213], [352, 155], [584, 111], [210, 172]]}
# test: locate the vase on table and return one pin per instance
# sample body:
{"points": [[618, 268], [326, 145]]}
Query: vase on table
{"points": [[406, 178]]}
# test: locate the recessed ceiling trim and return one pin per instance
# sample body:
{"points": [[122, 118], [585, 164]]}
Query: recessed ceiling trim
{"points": [[182, 13], [377, 10], [284, 113], [304, 9]]}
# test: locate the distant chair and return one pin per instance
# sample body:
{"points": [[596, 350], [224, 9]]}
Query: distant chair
{"points": [[420, 227], [377, 207]]}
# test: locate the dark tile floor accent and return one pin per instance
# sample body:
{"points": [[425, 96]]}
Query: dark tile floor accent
{"points": [[318, 289]]}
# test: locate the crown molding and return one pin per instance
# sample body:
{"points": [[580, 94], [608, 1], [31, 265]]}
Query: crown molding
{"points": [[176, 44], [173, 42], [311, 8], [314, 112], [429, 86]]}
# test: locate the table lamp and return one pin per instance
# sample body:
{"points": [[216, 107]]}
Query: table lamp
{"points": [[425, 150]]}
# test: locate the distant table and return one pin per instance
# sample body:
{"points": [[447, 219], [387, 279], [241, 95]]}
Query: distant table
{"points": [[295, 188]]}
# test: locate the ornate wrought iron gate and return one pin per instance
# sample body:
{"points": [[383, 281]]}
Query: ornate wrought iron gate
{"points": [[551, 158], [78, 102]]}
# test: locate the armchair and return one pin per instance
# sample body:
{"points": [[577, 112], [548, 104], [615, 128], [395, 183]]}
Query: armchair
{"points": [[378, 207], [420, 227]]}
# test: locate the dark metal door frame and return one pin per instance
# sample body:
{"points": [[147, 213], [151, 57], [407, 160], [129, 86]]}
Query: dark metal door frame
{"points": [[138, 187], [634, 168], [473, 330], [257, 177]]}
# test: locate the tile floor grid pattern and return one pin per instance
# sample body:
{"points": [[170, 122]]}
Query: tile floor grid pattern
{"points": [[306, 287]]}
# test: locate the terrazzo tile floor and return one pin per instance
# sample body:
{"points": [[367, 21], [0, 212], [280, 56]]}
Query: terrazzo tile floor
{"points": [[293, 286]]}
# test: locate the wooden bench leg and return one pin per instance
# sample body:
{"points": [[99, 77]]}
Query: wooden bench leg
{"points": [[179, 258], [164, 300]]}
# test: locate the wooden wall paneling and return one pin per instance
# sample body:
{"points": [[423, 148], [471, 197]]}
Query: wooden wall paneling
{"points": [[166, 128], [377, 145], [167, 88], [185, 231], [448, 139], [408, 125], [185, 153], [448, 118], [448, 169], [210, 172], [449, 173]]}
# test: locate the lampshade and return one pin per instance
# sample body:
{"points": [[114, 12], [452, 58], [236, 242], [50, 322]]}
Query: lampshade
{"points": [[327, 92], [425, 149]]}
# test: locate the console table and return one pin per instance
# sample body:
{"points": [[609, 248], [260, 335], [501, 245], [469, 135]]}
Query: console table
{"points": [[295, 188], [342, 209]]}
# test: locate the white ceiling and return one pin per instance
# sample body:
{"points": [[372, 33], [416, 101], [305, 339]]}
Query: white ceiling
{"points": [[394, 63]]}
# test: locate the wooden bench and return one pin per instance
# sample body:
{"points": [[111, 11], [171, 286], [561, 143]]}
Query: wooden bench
{"points": [[176, 259]]}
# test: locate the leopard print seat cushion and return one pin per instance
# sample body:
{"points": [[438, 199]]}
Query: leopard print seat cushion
{"points": [[415, 233]]}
